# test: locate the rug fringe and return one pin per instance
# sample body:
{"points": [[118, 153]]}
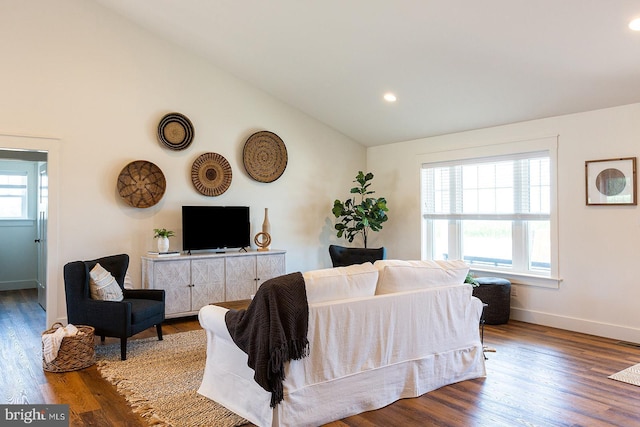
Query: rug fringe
{"points": [[139, 405], [186, 407]]}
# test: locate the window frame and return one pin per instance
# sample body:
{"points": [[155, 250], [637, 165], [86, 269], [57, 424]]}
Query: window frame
{"points": [[25, 198], [547, 144]]}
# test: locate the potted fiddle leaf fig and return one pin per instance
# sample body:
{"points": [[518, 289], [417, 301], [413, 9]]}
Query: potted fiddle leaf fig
{"points": [[362, 213]]}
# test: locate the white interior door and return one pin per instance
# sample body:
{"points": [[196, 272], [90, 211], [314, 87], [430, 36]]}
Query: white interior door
{"points": [[41, 235]]}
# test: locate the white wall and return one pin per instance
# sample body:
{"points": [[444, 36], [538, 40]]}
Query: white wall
{"points": [[598, 244], [76, 72]]}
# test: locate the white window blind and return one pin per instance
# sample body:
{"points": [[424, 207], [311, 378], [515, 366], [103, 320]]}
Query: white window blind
{"points": [[493, 212], [13, 195]]}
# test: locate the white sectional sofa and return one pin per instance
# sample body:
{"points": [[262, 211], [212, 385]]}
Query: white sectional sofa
{"points": [[377, 333]]}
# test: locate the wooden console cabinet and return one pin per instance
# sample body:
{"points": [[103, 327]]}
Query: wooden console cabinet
{"points": [[193, 281]]}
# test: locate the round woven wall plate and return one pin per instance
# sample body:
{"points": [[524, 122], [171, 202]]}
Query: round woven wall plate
{"points": [[175, 131], [141, 184], [211, 174], [265, 156]]}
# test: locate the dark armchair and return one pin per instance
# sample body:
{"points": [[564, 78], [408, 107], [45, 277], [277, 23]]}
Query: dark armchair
{"points": [[139, 310], [342, 257]]}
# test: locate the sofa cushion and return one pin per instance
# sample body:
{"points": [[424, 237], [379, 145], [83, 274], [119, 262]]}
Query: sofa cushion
{"points": [[330, 284], [398, 275], [103, 286]]}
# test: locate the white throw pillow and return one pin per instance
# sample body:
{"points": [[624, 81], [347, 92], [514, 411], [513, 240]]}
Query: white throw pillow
{"points": [[398, 275], [103, 286], [331, 284], [128, 283]]}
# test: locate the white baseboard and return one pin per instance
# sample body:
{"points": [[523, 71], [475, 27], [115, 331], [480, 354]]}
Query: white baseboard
{"points": [[618, 332], [19, 284]]}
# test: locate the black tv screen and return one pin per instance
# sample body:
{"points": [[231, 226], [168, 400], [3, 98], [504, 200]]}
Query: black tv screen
{"points": [[215, 227]]}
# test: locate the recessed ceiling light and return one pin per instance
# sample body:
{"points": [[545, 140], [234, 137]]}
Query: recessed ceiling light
{"points": [[635, 24], [389, 97]]}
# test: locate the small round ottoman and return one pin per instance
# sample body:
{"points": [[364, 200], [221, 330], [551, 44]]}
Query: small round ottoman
{"points": [[496, 293]]}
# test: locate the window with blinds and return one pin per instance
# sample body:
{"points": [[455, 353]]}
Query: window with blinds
{"points": [[13, 195], [492, 212]]}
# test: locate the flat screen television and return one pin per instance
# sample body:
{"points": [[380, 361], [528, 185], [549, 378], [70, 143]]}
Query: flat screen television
{"points": [[215, 227]]}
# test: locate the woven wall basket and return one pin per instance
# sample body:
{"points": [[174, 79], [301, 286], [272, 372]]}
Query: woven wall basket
{"points": [[76, 352], [175, 131], [211, 174], [141, 184], [265, 156]]}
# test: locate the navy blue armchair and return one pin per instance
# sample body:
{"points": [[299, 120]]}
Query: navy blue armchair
{"points": [[342, 257], [139, 310]]}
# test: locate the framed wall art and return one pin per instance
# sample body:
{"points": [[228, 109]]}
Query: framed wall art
{"points": [[611, 181]]}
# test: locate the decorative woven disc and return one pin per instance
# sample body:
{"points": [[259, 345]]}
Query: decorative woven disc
{"points": [[211, 174], [265, 156], [141, 184], [175, 131]]}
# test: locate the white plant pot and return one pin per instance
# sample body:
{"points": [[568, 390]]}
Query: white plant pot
{"points": [[163, 244]]}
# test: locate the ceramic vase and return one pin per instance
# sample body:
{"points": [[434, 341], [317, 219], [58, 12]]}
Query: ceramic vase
{"points": [[163, 244], [266, 225]]}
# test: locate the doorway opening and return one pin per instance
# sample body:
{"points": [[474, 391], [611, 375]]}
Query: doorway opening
{"points": [[23, 217], [39, 223]]}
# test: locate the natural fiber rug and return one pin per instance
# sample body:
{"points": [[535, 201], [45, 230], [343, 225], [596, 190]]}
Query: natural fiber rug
{"points": [[630, 375], [160, 380]]}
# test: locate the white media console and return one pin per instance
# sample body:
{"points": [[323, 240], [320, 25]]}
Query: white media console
{"points": [[193, 281]]}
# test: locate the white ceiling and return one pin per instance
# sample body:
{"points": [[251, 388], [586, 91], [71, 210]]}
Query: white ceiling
{"points": [[454, 64]]}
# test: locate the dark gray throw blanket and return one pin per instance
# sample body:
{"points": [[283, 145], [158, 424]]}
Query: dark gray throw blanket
{"points": [[273, 330]]}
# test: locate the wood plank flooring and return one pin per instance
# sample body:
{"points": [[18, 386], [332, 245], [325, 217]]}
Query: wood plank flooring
{"points": [[538, 376]]}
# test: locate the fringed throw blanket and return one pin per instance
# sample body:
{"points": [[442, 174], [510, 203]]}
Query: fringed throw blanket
{"points": [[273, 330]]}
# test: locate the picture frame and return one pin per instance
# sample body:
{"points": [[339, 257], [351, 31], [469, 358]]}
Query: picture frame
{"points": [[611, 181]]}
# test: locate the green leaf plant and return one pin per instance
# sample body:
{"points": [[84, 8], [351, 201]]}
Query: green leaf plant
{"points": [[162, 232], [363, 216], [472, 280]]}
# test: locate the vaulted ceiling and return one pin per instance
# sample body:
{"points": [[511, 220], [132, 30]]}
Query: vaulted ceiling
{"points": [[454, 65]]}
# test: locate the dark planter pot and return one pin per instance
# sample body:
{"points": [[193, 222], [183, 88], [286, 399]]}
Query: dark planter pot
{"points": [[496, 293]]}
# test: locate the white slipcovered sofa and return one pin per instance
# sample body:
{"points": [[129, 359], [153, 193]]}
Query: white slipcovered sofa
{"points": [[377, 332]]}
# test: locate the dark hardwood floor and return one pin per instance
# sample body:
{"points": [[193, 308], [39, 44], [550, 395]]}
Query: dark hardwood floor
{"points": [[538, 376]]}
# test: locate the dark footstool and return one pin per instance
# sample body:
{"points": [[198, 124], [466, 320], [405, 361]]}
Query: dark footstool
{"points": [[497, 294]]}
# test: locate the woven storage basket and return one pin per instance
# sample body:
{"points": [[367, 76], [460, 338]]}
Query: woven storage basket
{"points": [[76, 352]]}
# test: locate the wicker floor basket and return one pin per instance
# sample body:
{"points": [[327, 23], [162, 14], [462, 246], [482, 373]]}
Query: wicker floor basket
{"points": [[76, 352]]}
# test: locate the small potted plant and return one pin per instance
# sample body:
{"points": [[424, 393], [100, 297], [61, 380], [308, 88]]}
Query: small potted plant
{"points": [[162, 234], [472, 280]]}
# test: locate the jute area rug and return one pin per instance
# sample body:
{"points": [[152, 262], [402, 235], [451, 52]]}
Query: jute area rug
{"points": [[160, 380], [630, 375]]}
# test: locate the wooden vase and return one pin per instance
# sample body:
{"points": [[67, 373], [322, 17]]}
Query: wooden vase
{"points": [[266, 226]]}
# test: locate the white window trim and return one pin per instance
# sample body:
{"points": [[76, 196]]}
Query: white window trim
{"points": [[549, 144]]}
